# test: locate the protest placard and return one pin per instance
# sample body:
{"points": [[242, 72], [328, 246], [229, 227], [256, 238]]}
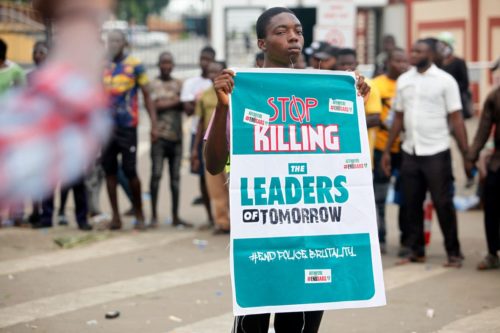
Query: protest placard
{"points": [[303, 223]]}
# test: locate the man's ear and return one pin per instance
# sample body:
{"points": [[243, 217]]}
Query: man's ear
{"points": [[261, 43]]}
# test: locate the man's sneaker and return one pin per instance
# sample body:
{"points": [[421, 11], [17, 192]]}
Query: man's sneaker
{"points": [[413, 258], [489, 262], [454, 261], [85, 227], [140, 225], [404, 251], [181, 224], [62, 220], [41, 225]]}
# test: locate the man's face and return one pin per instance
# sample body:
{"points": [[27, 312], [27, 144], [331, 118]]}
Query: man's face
{"points": [[388, 44], [284, 40], [328, 63], [166, 64], [40, 54], [346, 62], [116, 43], [206, 58], [214, 69], [398, 63], [421, 55]]}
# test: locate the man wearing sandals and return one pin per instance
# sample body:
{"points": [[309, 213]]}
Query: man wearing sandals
{"points": [[427, 105]]}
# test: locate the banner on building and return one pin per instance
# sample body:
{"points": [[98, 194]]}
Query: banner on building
{"points": [[303, 225]]}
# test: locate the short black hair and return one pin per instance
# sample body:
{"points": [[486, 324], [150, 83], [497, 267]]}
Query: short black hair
{"points": [[431, 42], [222, 63], [3, 50], [166, 53], [259, 56], [347, 51], [397, 49], [265, 17], [208, 49], [41, 43]]}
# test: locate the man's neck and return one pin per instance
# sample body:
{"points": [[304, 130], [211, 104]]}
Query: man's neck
{"points": [[3, 63], [166, 77], [424, 69], [393, 76], [119, 57]]}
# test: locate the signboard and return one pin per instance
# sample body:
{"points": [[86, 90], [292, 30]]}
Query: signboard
{"points": [[335, 22], [303, 225]]}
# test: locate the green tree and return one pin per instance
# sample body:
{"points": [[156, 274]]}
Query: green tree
{"points": [[138, 10]]}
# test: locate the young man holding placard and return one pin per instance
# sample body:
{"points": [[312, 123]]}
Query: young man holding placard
{"points": [[279, 34]]}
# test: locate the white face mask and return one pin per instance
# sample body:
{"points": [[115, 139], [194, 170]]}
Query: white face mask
{"points": [[447, 51]]}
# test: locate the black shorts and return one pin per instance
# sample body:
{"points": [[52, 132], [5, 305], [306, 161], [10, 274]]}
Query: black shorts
{"points": [[124, 143]]}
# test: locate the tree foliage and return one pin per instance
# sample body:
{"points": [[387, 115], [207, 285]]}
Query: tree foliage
{"points": [[138, 10]]}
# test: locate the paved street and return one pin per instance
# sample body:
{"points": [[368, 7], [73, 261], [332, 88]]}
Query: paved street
{"points": [[171, 280]]}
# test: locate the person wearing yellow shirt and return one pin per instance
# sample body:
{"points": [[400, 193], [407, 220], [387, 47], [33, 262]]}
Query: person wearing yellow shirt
{"points": [[397, 64], [347, 61]]}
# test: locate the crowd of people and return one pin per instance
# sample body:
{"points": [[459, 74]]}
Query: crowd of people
{"points": [[61, 120], [423, 94]]}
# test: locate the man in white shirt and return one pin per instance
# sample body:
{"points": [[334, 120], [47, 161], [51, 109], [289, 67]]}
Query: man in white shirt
{"points": [[427, 107], [191, 91]]}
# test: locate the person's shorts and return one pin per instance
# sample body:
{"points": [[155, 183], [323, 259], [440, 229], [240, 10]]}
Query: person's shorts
{"points": [[124, 143]]}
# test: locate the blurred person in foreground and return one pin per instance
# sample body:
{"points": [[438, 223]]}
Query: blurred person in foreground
{"points": [[428, 107], [124, 77], [279, 34], [490, 121], [166, 95], [53, 128], [457, 68], [216, 184], [397, 64]]}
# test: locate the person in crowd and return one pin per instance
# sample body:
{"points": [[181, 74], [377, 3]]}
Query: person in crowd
{"points": [[427, 105], [166, 93], [124, 76], [67, 93], [39, 56], [397, 64], [216, 184], [11, 76], [490, 119], [388, 44], [191, 92], [279, 34], [347, 61], [259, 59], [457, 68], [325, 58]]}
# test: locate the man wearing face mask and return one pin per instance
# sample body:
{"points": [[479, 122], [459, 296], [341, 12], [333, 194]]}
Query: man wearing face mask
{"points": [[123, 78], [427, 104], [457, 68]]}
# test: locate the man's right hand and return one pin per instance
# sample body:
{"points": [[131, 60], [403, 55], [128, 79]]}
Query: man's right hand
{"points": [[224, 85], [386, 163]]}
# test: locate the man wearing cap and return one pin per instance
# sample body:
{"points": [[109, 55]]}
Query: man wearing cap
{"points": [[326, 58], [457, 68]]}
